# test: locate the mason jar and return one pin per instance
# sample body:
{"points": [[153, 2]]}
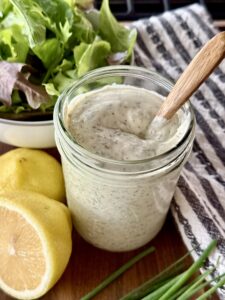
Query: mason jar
{"points": [[119, 205]]}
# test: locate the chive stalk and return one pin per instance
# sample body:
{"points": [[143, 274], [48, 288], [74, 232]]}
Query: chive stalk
{"points": [[117, 273], [202, 286], [219, 284], [186, 275], [169, 284], [161, 291], [159, 279], [192, 289], [180, 291]]}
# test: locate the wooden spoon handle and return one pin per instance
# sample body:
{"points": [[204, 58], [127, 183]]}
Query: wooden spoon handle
{"points": [[197, 71]]}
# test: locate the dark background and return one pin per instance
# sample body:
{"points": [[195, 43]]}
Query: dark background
{"points": [[135, 9]]}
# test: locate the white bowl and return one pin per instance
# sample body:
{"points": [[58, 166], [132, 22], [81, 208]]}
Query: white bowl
{"points": [[30, 134]]}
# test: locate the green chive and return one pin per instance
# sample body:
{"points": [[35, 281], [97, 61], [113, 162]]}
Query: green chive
{"points": [[186, 275], [194, 287], [161, 291], [213, 289], [180, 291], [149, 285], [117, 273]]}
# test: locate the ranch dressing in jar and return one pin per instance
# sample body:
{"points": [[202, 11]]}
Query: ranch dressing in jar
{"points": [[119, 184], [113, 122]]}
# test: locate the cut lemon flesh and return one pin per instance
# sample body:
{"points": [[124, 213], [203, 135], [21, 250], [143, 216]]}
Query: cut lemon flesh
{"points": [[35, 243], [21, 253]]}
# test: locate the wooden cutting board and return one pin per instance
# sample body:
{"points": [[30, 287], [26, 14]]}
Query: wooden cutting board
{"points": [[88, 266]]}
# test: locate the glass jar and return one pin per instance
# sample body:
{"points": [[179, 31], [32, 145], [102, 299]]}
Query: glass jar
{"points": [[119, 205]]}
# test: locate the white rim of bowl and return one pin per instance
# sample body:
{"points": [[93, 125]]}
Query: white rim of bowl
{"points": [[26, 123]]}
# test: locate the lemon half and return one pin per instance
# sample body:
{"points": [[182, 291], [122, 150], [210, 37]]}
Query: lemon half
{"points": [[32, 170], [35, 243]]}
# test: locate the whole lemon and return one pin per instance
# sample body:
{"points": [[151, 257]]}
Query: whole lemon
{"points": [[32, 170], [35, 243]]}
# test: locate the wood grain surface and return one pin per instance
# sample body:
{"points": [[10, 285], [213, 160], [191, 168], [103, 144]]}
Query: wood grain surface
{"points": [[88, 265]]}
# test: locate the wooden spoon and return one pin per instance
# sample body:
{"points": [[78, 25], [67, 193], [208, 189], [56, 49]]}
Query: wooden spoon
{"points": [[202, 65]]}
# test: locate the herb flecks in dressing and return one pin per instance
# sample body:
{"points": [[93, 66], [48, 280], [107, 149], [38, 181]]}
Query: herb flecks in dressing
{"points": [[112, 122]]}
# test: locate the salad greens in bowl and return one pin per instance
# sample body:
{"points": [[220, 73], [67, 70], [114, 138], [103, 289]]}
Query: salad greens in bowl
{"points": [[45, 45]]}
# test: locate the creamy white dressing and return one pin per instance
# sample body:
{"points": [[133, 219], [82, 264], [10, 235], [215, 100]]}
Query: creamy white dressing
{"points": [[120, 212], [113, 122]]}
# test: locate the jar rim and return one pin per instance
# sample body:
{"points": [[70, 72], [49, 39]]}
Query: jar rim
{"points": [[113, 71]]}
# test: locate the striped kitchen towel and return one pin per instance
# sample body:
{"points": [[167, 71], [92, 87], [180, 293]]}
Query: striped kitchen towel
{"points": [[167, 43]]}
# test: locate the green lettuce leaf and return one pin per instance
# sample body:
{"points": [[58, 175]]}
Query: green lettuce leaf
{"points": [[5, 8], [65, 65], [51, 90], [61, 40], [120, 38], [65, 32], [82, 29], [69, 22], [5, 51], [11, 19], [13, 45], [62, 80], [91, 56], [79, 52], [61, 17], [35, 22], [93, 16], [84, 4], [50, 52], [58, 11], [64, 75]]}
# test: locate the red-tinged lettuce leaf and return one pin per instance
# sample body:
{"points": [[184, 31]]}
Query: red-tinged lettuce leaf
{"points": [[12, 78], [8, 77], [35, 94], [117, 58]]}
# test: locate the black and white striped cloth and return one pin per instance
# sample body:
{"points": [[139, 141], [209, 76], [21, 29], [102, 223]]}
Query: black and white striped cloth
{"points": [[167, 43]]}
